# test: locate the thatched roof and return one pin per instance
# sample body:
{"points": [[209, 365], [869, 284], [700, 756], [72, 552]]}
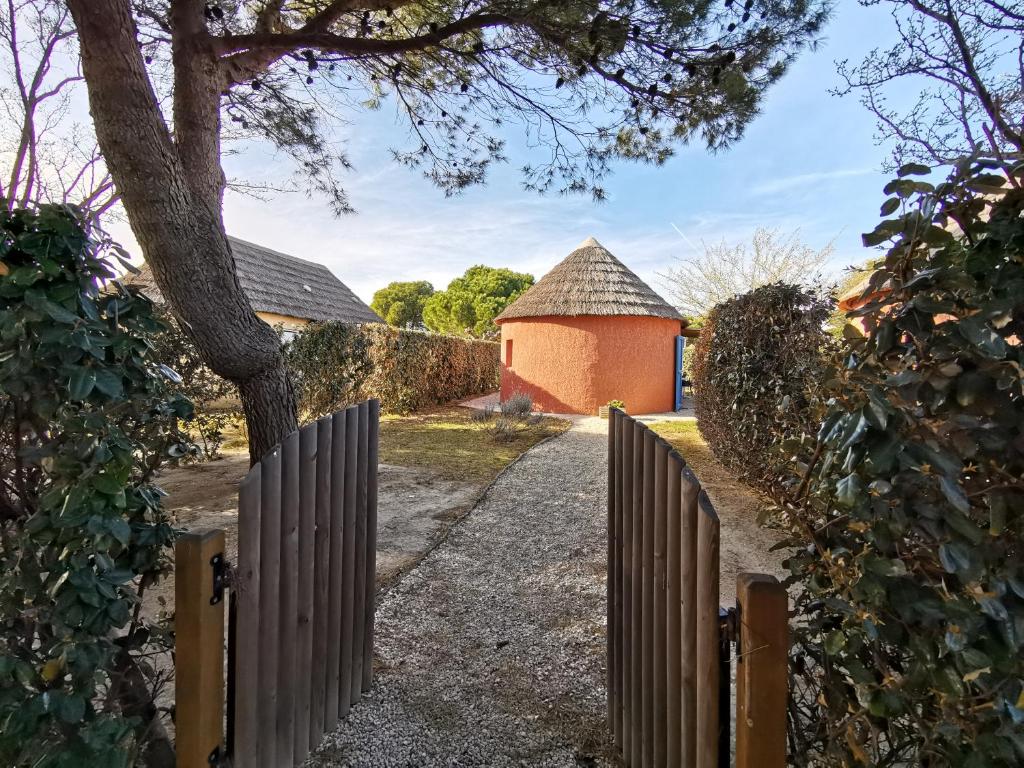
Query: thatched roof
{"points": [[590, 281], [282, 284]]}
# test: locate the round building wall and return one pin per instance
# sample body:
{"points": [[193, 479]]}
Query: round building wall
{"points": [[577, 364]]}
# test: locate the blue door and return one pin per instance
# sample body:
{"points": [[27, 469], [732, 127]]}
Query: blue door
{"points": [[680, 348]]}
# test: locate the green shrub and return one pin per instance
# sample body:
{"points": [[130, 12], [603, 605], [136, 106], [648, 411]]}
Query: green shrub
{"points": [[334, 364], [756, 359], [87, 418], [518, 406], [909, 509]]}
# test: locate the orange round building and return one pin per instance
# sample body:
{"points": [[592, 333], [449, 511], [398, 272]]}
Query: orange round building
{"points": [[588, 332]]}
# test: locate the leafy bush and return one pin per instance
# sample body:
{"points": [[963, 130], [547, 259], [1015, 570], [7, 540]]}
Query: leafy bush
{"points": [[617, 404], [518, 406], [909, 510], [334, 365], [88, 417], [755, 362]]}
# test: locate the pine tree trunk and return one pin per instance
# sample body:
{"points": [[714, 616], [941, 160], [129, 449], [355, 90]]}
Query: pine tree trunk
{"points": [[172, 190]]}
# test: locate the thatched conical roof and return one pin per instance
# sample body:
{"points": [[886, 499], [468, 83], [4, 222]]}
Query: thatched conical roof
{"points": [[590, 281]]}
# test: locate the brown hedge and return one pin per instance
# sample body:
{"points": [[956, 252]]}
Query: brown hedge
{"points": [[334, 364]]}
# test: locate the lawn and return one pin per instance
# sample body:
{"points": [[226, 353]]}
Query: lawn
{"points": [[450, 443]]}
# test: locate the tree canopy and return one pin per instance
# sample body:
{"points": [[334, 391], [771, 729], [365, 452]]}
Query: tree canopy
{"points": [[471, 302], [401, 303], [585, 83]]}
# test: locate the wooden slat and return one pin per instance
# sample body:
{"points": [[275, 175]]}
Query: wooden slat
{"points": [[761, 672], [373, 433], [304, 628], [199, 649], [247, 593], [334, 704], [661, 450], [690, 491], [636, 617], [321, 576], [647, 610], [288, 600], [674, 610], [359, 585], [270, 572], [348, 559], [707, 633], [625, 436], [611, 654]]}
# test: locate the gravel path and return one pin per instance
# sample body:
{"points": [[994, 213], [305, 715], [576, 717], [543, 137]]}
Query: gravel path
{"points": [[491, 651]]}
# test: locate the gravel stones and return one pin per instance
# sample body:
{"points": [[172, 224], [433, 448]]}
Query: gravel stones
{"points": [[491, 651]]}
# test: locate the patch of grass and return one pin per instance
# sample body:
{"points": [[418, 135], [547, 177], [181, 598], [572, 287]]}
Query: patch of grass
{"points": [[685, 438], [450, 442]]}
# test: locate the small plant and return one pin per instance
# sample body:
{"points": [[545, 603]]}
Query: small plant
{"points": [[519, 406], [506, 429], [482, 414], [617, 404], [209, 429]]}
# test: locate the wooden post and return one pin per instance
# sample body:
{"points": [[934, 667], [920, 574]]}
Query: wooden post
{"points": [[247, 595], [321, 579], [661, 450], [611, 588], [636, 618], [674, 611], [688, 581], [625, 430], [288, 600], [304, 614], [372, 449], [348, 561], [199, 649], [647, 611], [359, 584], [707, 633], [333, 701], [761, 671], [270, 584]]}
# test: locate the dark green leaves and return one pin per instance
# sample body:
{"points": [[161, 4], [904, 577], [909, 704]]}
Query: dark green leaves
{"points": [[88, 417]]}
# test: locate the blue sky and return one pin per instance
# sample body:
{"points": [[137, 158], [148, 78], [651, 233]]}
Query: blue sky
{"points": [[809, 161]]}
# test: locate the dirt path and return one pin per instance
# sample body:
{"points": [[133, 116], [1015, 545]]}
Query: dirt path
{"points": [[491, 651]]}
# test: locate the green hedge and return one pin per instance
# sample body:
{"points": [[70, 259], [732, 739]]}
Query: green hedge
{"points": [[334, 364], [755, 363]]}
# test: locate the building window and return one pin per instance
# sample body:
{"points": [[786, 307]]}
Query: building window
{"points": [[508, 353]]}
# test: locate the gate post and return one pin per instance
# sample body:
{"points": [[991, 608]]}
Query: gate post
{"points": [[761, 671], [199, 648]]}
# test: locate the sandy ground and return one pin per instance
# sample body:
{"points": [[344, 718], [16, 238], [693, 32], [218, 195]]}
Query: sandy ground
{"points": [[414, 507]]}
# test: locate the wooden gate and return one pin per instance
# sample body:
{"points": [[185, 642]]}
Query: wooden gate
{"points": [[303, 599], [669, 669]]}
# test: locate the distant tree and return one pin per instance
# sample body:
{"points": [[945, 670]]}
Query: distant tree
{"points": [[589, 82], [700, 282], [401, 304], [966, 57], [471, 302]]}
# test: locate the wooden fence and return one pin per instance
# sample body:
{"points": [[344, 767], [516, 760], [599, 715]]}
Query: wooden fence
{"points": [[669, 641], [301, 629]]}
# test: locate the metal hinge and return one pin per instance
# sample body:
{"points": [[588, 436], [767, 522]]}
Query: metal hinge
{"points": [[220, 568], [728, 624]]}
